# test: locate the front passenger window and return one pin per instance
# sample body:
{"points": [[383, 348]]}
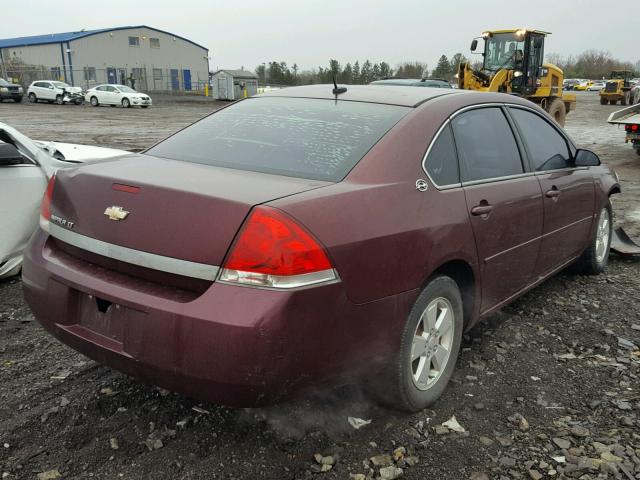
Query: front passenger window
{"points": [[547, 149], [486, 145]]}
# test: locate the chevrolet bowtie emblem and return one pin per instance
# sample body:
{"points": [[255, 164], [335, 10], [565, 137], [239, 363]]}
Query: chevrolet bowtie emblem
{"points": [[116, 213]]}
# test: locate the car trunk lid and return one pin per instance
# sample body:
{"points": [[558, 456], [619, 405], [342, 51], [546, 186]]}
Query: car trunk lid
{"points": [[175, 209]]}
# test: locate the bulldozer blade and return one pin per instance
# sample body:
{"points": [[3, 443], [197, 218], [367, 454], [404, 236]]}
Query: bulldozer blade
{"points": [[621, 243]]}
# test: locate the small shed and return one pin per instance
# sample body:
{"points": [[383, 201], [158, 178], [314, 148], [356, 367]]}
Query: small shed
{"points": [[233, 84]]}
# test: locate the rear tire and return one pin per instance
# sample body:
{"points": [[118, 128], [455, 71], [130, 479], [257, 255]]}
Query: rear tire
{"points": [[595, 258], [558, 111], [59, 100], [429, 347], [603, 101]]}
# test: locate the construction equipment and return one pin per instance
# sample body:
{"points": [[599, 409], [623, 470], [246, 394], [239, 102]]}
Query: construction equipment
{"points": [[617, 88], [630, 118], [513, 63]]}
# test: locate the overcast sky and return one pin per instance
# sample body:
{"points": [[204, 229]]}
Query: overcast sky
{"points": [[309, 32]]}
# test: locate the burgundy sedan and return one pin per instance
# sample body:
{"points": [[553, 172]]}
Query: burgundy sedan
{"points": [[305, 238]]}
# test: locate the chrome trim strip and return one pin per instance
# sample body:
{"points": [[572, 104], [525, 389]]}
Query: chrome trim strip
{"points": [[557, 230], [129, 255], [508, 250], [493, 179], [498, 179]]}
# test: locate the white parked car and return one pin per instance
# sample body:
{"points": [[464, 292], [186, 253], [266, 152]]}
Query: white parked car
{"points": [[596, 87], [54, 91], [117, 95], [25, 168]]}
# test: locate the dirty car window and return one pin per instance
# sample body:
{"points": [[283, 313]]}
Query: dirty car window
{"points": [[301, 137]]}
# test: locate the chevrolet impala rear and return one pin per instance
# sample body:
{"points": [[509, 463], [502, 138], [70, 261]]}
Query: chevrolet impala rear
{"points": [[178, 267]]}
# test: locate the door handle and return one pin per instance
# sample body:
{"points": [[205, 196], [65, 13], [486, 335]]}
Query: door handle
{"points": [[553, 193], [482, 209]]}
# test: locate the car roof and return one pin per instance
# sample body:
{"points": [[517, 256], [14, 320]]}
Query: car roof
{"points": [[387, 94], [409, 81]]}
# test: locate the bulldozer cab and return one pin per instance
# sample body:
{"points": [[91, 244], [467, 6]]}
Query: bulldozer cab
{"points": [[519, 50], [514, 63], [624, 75]]}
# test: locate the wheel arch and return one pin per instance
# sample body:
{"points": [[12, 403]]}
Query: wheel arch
{"points": [[615, 190], [461, 272]]}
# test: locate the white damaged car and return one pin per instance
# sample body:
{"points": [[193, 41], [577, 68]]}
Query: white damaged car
{"points": [[25, 168]]}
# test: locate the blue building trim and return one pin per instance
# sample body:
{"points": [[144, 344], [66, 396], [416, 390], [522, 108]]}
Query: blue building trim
{"points": [[64, 65], [70, 63], [70, 36]]}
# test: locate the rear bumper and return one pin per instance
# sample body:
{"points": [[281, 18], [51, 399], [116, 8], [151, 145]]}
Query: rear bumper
{"points": [[233, 345]]}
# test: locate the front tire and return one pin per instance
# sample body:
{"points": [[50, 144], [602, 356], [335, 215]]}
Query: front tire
{"points": [[558, 111], [33, 98], [595, 258], [126, 103], [429, 348], [603, 101], [94, 101]]}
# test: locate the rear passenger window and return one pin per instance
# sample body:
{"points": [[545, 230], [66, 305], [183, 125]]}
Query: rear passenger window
{"points": [[486, 146], [547, 149], [442, 162]]}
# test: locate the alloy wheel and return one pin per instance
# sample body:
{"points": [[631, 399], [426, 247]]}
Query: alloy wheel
{"points": [[432, 343], [602, 235]]}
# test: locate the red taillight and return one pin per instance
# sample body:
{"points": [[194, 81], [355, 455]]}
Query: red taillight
{"points": [[45, 206], [273, 250], [633, 128]]}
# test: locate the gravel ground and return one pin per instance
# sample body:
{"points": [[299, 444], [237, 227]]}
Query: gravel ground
{"points": [[546, 388]]}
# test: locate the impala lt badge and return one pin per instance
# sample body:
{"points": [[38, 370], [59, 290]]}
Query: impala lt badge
{"points": [[116, 213], [63, 222]]}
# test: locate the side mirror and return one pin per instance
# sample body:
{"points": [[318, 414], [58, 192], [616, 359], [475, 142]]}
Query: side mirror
{"points": [[9, 155], [474, 44], [586, 158]]}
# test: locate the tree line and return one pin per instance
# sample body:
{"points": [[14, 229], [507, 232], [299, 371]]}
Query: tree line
{"points": [[279, 73], [589, 64]]}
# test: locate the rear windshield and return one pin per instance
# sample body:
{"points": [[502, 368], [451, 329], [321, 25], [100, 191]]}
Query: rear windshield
{"points": [[298, 137]]}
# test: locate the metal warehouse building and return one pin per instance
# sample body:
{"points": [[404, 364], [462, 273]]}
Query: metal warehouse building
{"points": [[156, 59]]}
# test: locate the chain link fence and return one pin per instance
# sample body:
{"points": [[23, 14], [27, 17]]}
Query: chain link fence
{"points": [[149, 79]]}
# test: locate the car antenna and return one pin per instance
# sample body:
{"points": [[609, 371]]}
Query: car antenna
{"points": [[337, 90]]}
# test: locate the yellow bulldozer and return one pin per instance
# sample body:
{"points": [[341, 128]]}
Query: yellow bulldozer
{"points": [[617, 88], [513, 63]]}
